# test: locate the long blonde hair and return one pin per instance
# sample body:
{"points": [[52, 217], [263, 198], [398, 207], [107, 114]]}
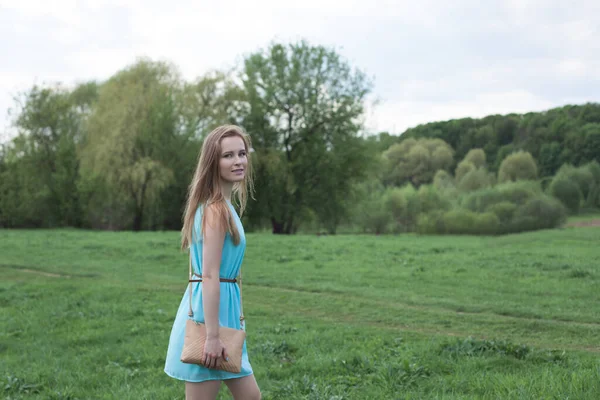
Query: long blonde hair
{"points": [[205, 188]]}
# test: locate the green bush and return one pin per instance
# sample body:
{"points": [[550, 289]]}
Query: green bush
{"points": [[504, 210], [543, 212], [519, 192], [430, 199], [442, 180], [413, 207], [475, 179], [594, 168], [480, 200], [512, 192], [567, 191], [430, 224], [461, 221], [476, 157], [369, 210], [375, 218], [593, 199], [518, 166], [487, 224], [583, 177], [463, 168], [396, 206], [404, 205]]}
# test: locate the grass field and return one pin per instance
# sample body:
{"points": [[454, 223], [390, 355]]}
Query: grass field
{"points": [[87, 315]]}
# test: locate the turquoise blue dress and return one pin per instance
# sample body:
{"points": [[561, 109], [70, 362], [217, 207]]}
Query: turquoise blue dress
{"points": [[229, 307]]}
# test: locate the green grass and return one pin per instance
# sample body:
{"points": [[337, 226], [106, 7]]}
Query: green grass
{"points": [[87, 315], [585, 216]]}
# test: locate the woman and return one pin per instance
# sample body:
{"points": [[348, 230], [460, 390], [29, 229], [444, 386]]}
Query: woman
{"points": [[215, 236]]}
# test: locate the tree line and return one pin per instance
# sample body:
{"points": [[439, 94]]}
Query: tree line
{"points": [[119, 154]]}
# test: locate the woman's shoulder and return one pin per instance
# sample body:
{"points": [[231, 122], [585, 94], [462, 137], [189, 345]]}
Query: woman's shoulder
{"points": [[213, 214]]}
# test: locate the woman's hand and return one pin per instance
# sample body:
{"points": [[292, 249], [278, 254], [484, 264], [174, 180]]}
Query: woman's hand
{"points": [[214, 350]]}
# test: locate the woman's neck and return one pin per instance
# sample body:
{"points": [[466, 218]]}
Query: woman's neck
{"points": [[226, 189]]}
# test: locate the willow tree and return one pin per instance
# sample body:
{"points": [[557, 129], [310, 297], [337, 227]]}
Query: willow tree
{"points": [[129, 130], [416, 161], [303, 109]]}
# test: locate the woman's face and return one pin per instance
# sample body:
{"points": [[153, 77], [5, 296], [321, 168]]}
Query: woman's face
{"points": [[234, 160]]}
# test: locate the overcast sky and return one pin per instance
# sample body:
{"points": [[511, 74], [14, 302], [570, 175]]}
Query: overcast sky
{"points": [[430, 59]]}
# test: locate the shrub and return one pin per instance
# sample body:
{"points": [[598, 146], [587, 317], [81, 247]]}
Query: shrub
{"points": [[543, 212], [476, 157], [512, 192], [539, 212], [431, 200], [504, 210], [594, 168], [519, 192], [442, 180], [487, 224], [480, 200], [375, 218], [582, 176], [431, 223], [567, 191], [475, 179], [517, 166], [413, 206], [593, 199], [396, 206], [369, 210], [459, 221], [463, 168]]}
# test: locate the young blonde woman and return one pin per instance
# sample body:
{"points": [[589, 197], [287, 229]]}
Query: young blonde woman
{"points": [[214, 234]]}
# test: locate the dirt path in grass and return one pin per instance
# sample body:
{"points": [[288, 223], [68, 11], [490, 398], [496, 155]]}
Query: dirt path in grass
{"points": [[349, 319], [49, 274], [592, 222], [396, 304]]}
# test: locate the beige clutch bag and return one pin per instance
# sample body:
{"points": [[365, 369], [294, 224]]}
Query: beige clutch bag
{"points": [[195, 337]]}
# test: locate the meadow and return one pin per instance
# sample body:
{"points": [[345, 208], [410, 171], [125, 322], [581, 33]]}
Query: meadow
{"points": [[87, 315]]}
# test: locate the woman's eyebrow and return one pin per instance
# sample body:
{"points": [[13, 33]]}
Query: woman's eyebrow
{"points": [[233, 151]]}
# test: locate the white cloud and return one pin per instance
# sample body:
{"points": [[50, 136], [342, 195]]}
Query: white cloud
{"points": [[431, 59]]}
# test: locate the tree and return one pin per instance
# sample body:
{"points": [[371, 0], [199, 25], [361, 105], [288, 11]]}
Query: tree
{"points": [[129, 131], [475, 179], [591, 143], [303, 110], [463, 168], [41, 174], [443, 180], [416, 161], [549, 158], [517, 166], [570, 130], [476, 157], [567, 192], [471, 173], [200, 106]]}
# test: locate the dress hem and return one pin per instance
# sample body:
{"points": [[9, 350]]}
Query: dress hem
{"points": [[206, 379]]}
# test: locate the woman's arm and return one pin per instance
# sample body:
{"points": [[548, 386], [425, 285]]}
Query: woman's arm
{"points": [[212, 248]]}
